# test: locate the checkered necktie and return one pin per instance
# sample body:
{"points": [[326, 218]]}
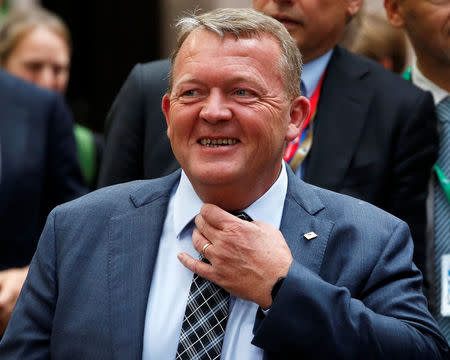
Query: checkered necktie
{"points": [[442, 207], [205, 318]]}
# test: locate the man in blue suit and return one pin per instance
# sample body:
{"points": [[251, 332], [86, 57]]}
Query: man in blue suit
{"points": [[314, 275]]}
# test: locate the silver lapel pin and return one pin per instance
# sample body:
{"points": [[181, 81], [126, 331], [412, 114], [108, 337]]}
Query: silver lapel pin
{"points": [[309, 236]]}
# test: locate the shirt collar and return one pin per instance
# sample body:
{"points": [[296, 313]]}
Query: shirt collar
{"points": [[312, 72], [187, 204], [422, 82]]}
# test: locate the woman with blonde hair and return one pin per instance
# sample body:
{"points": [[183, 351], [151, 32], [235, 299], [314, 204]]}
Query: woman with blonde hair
{"points": [[35, 45]]}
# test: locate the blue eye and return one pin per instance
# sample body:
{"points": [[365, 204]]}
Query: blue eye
{"points": [[189, 93], [241, 92]]}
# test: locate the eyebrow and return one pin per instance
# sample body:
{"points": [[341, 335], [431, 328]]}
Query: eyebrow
{"points": [[187, 78]]}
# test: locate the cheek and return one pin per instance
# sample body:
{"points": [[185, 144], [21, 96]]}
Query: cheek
{"points": [[182, 122], [269, 131]]}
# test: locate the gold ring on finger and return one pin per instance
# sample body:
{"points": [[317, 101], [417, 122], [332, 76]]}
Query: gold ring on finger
{"points": [[204, 249]]}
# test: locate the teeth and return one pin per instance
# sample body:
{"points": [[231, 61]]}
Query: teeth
{"points": [[215, 143]]}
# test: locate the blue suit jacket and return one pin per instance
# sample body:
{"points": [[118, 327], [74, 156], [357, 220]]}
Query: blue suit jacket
{"points": [[39, 166], [351, 293]]}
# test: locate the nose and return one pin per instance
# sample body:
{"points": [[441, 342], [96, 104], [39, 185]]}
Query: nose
{"points": [[215, 107], [47, 79]]}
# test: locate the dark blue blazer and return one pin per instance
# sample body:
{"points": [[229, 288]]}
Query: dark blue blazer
{"points": [[351, 293], [39, 166]]}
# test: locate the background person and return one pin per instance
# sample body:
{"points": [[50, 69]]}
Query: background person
{"points": [[35, 45], [375, 38], [427, 25]]}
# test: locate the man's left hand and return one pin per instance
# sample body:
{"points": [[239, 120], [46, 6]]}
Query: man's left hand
{"points": [[246, 258]]}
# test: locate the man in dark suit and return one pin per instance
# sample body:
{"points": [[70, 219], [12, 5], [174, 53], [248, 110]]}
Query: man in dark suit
{"points": [[113, 273], [38, 171], [374, 135], [427, 26]]}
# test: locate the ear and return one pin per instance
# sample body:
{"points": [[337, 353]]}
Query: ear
{"points": [[165, 106], [353, 7], [394, 13], [299, 112]]}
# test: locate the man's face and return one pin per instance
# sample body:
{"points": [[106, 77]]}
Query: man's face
{"points": [[316, 25], [427, 23], [228, 116]]}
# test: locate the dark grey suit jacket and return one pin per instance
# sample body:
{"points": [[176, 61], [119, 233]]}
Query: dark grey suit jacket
{"points": [[375, 137], [351, 293]]}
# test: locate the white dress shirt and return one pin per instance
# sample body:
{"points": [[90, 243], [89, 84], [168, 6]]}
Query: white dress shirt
{"points": [[171, 280], [312, 72]]}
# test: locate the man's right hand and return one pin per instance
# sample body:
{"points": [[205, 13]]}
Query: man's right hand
{"points": [[11, 282]]}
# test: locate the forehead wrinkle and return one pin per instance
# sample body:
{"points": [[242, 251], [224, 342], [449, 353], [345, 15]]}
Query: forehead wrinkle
{"points": [[233, 53], [239, 73]]}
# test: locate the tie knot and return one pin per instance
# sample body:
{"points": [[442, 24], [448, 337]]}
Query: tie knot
{"points": [[241, 215], [443, 110]]}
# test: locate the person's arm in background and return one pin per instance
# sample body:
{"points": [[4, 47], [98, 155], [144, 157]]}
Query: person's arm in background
{"points": [[135, 124], [124, 134]]}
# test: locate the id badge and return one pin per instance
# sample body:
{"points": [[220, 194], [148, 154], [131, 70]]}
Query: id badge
{"points": [[445, 285]]}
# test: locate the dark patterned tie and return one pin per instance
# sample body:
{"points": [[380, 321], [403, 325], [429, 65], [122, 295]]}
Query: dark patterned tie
{"points": [[205, 318], [442, 207]]}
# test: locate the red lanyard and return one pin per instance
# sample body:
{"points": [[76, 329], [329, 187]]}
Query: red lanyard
{"points": [[314, 100]]}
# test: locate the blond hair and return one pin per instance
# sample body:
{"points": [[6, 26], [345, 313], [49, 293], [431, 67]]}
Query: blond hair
{"points": [[19, 23]]}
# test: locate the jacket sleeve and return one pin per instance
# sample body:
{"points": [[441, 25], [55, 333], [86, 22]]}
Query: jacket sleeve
{"points": [[124, 134], [64, 181], [385, 318]]}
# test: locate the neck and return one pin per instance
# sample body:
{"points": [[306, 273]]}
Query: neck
{"points": [[308, 56], [436, 71], [234, 196]]}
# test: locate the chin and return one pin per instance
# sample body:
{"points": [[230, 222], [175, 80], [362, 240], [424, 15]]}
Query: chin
{"points": [[215, 175]]}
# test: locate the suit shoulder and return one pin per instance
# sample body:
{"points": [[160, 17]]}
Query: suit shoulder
{"points": [[154, 70], [24, 93], [116, 199], [386, 83], [336, 207], [344, 209]]}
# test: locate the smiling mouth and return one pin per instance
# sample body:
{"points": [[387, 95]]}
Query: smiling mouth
{"points": [[217, 142]]}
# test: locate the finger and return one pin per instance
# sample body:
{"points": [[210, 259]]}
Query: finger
{"points": [[203, 232], [198, 239], [200, 242], [197, 266], [216, 217]]}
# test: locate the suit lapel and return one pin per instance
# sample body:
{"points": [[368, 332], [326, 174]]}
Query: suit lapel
{"points": [[342, 112], [132, 250], [298, 219], [300, 216]]}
